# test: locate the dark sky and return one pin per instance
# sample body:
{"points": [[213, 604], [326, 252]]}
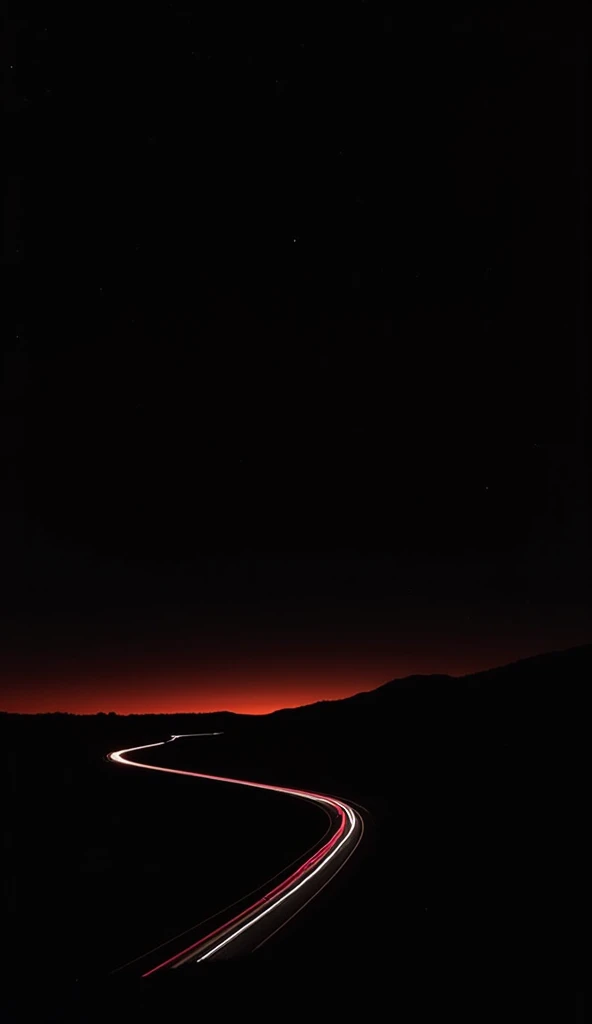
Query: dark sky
{"points": [[294, 392]]}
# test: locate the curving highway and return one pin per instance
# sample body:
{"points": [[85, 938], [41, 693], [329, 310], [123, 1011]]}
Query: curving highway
{"points": [[248, 929]]}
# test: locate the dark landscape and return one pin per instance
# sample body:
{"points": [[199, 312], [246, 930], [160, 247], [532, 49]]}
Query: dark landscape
{"points": [[294, 400], [472, 862]]}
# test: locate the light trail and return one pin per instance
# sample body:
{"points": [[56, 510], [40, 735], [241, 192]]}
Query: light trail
{"points": [[312, 874]]}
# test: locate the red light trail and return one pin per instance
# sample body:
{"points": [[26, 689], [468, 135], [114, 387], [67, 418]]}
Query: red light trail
{"points": [[273, 910]]}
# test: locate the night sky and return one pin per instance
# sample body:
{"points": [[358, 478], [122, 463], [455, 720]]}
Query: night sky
{"points": [[294, 393]]}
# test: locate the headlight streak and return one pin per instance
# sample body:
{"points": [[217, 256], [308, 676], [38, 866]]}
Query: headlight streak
{"points": [[281, 899], [346, 834]]}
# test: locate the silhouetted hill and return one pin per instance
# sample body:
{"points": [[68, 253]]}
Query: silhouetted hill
{"points": [[542, 677], [472, 862], [534, 684]]}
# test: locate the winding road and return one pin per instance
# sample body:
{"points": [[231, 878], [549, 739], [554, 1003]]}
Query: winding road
{"points": [[252, 926]]}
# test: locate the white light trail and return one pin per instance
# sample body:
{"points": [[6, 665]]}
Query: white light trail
{"points": [[292, 884]]}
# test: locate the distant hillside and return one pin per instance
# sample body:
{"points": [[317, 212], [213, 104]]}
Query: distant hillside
{"points": [[555, 679]]}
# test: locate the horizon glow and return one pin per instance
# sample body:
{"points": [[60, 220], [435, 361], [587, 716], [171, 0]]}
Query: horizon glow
{"points": [[254, 689]]}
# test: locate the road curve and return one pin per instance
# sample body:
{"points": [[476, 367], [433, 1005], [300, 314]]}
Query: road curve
{"points": [[246, 931]]}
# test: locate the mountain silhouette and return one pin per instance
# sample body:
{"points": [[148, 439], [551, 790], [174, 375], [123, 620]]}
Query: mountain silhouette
{"points": [[472, 791]]}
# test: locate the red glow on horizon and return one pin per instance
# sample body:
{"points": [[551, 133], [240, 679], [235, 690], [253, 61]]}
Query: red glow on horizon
{"points": [[252, 691], [174, 697]]}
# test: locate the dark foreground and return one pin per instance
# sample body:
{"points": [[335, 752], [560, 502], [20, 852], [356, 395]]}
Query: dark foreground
{"points": [[468, 885]]}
